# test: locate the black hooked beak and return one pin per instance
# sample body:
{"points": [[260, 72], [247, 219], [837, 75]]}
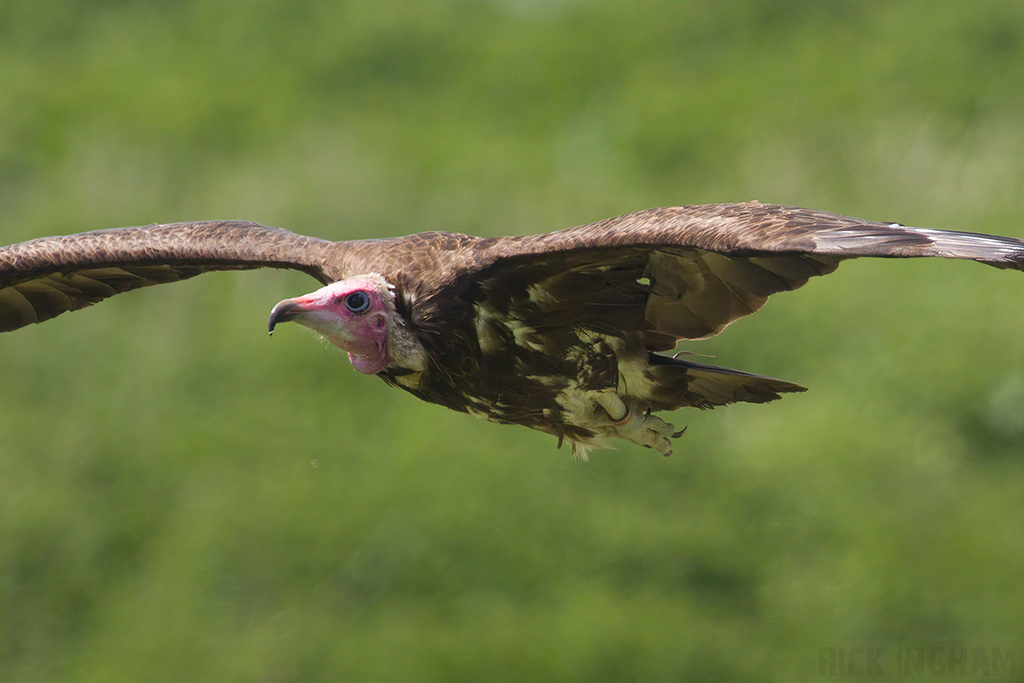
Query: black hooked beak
{"points": [[286, 310]]}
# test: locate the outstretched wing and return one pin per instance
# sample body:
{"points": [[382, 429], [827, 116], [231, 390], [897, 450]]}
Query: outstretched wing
{"points": [[45, 277], [687, 272]]}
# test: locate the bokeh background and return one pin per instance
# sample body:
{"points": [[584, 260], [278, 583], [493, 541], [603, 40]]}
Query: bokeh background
{"points": [[182, 498]]}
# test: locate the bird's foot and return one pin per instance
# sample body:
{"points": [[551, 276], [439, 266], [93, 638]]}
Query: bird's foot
{"points": [[640, 427]]}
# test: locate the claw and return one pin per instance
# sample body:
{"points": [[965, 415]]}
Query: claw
{"points": [[636, 425]]}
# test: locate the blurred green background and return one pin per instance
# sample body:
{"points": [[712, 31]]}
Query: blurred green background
{"points": [[182, 498]]}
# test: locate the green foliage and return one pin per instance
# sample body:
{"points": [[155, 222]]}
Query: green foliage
{"points": [[183, 499]]}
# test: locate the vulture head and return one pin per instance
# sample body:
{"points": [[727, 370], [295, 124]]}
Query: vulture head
{"points": [[357, 315]]}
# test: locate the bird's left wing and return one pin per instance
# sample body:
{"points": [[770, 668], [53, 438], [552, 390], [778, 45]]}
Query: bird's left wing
{"points": [[687, 272], [45, 277]]}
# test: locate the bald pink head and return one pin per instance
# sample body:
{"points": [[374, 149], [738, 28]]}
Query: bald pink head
{"points": [[352, 314]]}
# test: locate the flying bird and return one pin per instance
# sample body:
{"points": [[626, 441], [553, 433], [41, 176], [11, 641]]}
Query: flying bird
{"points": [[569, 332]]}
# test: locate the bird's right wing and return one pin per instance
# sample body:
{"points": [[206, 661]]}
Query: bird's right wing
{"points": [[45, 277], [688, 272]]}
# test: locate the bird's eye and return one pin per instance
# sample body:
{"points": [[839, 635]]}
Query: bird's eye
{"points": [[357, 302]]}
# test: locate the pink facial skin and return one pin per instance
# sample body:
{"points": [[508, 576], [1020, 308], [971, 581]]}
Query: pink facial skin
{"points": [[351, 314]]}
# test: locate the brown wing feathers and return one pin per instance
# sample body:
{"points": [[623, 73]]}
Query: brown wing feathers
{"points": [[755, 229], [710, 265], [49, 276], [706, 265]]}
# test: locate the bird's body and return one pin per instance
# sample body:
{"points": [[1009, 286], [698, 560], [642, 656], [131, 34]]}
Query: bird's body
{"points": [[563, 332]]}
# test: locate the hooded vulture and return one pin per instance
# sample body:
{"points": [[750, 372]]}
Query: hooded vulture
{"points": [[564, 332]]}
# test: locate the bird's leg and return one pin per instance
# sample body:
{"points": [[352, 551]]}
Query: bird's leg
{"points": [[636, 426]]}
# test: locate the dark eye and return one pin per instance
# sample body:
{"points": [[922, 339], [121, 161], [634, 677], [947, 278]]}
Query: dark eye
{"points": [[357, 302]]}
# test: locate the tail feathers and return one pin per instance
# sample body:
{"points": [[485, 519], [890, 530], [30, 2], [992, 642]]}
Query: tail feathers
{"points": [[683, 383]]}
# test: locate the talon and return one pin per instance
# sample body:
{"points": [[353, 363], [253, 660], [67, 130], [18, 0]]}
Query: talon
{"points": [[667, 453], [636, 425], [679, 433]]}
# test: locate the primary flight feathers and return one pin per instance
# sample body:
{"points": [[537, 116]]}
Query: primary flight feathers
{"points": [[559, 332]]}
